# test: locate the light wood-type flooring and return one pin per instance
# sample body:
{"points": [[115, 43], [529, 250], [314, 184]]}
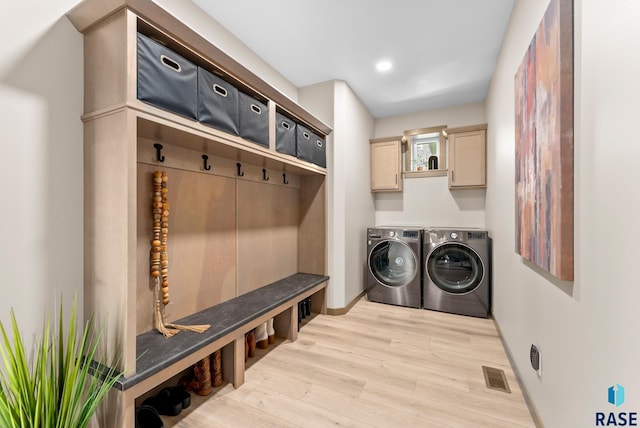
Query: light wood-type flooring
{"points": [[377, 366]]}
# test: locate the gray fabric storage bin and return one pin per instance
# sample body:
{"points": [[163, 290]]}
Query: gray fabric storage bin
{"points": [[285, 135], [304, 143], [319, 151], [310, 147], [217, 102], [253, 119], [165, 79]]}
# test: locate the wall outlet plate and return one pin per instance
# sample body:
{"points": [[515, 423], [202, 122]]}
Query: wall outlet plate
{"points": [[536, 359]]}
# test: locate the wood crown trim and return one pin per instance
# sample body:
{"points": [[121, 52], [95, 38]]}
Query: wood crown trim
{"points": [[479, 127], [385, 139]]}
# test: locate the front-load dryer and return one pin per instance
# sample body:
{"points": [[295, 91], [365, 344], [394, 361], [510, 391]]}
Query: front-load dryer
{"points": [[394, 266], [457, 271]]}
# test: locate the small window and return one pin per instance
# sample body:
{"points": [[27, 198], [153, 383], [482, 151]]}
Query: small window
{"points": [[426, 150], [423, 148]]}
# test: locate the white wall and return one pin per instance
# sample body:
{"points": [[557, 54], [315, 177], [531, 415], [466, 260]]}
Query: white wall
{"points": [[467, 114], [353, 134], [196, 19], [351, 208], [586, 329], [41, 87], [428, 201]]}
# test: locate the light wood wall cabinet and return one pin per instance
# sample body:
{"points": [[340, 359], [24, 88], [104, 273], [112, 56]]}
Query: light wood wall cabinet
{"points": [[386, 164], [467, 156], [243, 217]]}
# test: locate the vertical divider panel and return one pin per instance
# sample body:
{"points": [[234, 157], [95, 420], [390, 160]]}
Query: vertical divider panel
{"points": [[109, 233], [312, 246], [106, 50], [272, 125]]}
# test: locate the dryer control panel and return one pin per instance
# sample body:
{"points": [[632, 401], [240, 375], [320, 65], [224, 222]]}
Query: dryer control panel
{"points": [[414, 234]]}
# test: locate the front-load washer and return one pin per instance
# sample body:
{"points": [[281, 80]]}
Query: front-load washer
{"points": [[394, 265], [457, 271]]}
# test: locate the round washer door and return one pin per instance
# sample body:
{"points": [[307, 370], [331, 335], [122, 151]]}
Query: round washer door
{"points": [[393, 263], [455, 268]]}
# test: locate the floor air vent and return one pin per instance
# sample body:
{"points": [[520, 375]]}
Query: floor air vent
{"points": [[495, 379]]}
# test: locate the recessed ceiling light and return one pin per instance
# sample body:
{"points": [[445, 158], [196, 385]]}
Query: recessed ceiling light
{"points": [[383, 66]]}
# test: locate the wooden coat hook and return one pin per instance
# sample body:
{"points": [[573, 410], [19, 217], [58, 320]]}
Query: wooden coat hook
{"points": [[206, 165], [159, 156], [264, 175], [239, 166]]}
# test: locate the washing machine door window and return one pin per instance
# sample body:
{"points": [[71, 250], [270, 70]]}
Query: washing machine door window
{"points": [[393, 263], [455, 268]]}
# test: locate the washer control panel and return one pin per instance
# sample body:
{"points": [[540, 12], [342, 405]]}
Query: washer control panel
{"points": [[402, 234]]}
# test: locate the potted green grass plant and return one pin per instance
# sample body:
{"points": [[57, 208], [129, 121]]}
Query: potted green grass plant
{"points": [[58, 388]]}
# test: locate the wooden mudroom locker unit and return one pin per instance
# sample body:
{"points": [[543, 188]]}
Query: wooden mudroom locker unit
{"points": [[242, 215]]}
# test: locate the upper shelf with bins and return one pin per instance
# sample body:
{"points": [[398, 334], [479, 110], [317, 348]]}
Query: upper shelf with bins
{"points": [[154, 124], [108, 89]]}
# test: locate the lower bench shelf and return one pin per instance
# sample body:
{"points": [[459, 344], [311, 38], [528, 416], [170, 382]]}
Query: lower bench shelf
{"points": [[159, 358]]}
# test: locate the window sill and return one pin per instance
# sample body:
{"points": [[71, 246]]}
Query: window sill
{"points": [[428, 173]]}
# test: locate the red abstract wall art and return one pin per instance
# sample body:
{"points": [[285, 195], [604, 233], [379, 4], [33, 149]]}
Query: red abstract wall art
{"points": [[544, 144]]}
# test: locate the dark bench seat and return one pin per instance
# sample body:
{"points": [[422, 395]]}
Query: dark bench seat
{"points": [[160, 358]]}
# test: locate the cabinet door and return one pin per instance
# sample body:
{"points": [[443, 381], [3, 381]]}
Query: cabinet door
{"points": [[385, 166], [468, 159]]}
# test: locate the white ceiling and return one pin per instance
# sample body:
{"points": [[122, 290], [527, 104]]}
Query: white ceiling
{"points": [[443, 51]]}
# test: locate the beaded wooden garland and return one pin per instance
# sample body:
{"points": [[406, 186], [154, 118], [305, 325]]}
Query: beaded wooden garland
{"points": [[159, 256]]}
